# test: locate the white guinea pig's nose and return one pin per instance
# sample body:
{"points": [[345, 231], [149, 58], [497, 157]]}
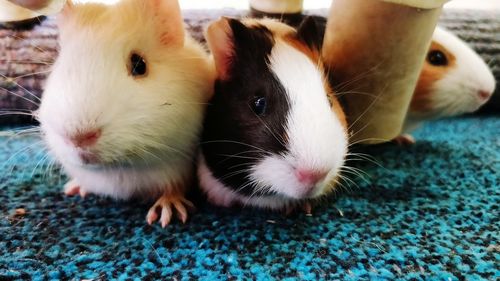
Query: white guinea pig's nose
{"points": [[484, 95], [85, 138]]}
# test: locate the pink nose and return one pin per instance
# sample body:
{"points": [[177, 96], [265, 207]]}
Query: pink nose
{"points": [[85, 138], [484, 95], [310, 177]]}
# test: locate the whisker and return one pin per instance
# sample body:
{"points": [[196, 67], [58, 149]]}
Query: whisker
{"points": [[19, 85]]}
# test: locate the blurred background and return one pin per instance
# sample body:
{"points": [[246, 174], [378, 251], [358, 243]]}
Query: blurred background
{"points": [[311, 4]]}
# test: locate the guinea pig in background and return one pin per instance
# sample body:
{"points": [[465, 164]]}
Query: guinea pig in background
{"points": [[454, 80], [123, 107], [274, 134]]}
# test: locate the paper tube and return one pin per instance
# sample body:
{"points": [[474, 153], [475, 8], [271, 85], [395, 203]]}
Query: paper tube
{"points": [[30, 9], [375, 50]]}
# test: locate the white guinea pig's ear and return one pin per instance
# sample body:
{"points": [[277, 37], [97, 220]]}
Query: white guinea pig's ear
{"points": [[65, 13], [167, 19], [219, 37]]}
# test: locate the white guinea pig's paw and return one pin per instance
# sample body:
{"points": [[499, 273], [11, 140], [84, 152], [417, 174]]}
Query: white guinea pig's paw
{"points": [[166, 205], [405, 139], [72, 188]]}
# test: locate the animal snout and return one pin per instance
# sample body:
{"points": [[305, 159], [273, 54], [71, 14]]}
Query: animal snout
{"points": [[85, 138], [484, 95], [310, 177]]}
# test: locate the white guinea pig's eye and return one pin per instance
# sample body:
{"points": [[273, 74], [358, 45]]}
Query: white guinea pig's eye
{"points": [[137, 65], [437, 58]]}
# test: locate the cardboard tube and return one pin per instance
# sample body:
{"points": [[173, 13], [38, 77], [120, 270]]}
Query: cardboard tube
{"points": [[12, 12], [277, 6], [374, 51]]}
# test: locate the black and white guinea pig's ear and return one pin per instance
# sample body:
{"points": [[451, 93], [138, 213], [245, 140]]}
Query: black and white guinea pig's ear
{"points": [[311, 32], [220, 39], [168, 21]]}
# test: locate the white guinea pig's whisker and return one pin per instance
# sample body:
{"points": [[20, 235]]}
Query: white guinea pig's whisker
{"points": [[31, 74], [5, 113], [42, 159], [21, 96], [12, 79], [171, 148], [491, 62], [48, 63], [20, 151], [31, 45], [50, 168]]}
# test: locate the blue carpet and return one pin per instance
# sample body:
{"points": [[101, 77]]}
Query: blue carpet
{"points": [[430, 212]]}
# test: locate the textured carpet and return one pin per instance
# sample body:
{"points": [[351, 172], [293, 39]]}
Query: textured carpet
{"points": [[428, 212]]}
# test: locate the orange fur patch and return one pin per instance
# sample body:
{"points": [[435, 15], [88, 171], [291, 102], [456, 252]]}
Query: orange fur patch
{"points": [[421, 100]]}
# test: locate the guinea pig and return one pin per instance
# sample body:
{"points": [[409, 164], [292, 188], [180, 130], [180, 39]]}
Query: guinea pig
{"points": [[123, 107], [454, 80], [275, 136]]}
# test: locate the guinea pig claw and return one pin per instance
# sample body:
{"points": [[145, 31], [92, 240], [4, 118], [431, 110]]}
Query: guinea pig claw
{"points": [[307, 208], [405, 139], [166, 205], [72, 188]]}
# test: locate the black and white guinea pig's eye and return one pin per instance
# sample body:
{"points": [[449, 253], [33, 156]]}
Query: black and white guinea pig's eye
{"points": [[137, 65], [437, 58], [259, 105]]}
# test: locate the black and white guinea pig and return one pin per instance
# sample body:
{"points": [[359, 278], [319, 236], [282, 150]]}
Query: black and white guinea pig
{"points": [[454, 80], [123, 107], [274, 135]]}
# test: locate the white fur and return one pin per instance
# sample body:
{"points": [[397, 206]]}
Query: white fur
{"points": [[221, 195], [457, 92], [150, 125], [316, 138]]}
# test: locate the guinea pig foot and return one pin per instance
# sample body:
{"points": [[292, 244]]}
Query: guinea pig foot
{"points": [[306, 207], [72, 188], [404, 139], [165, 205]]}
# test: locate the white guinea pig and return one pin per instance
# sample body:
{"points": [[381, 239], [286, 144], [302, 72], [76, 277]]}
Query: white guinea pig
{"points": [[123, 107], [274, 135], [454, 80]]}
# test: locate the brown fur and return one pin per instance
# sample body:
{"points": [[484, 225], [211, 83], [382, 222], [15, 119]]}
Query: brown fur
{"points": [[421, 100]]}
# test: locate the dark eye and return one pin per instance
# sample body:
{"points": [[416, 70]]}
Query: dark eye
{"points": [[259, 105], [437, 58], [137, 65]]}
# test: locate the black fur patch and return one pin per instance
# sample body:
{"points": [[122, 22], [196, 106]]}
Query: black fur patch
{"points": [[311, 31], [234, 137]]}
